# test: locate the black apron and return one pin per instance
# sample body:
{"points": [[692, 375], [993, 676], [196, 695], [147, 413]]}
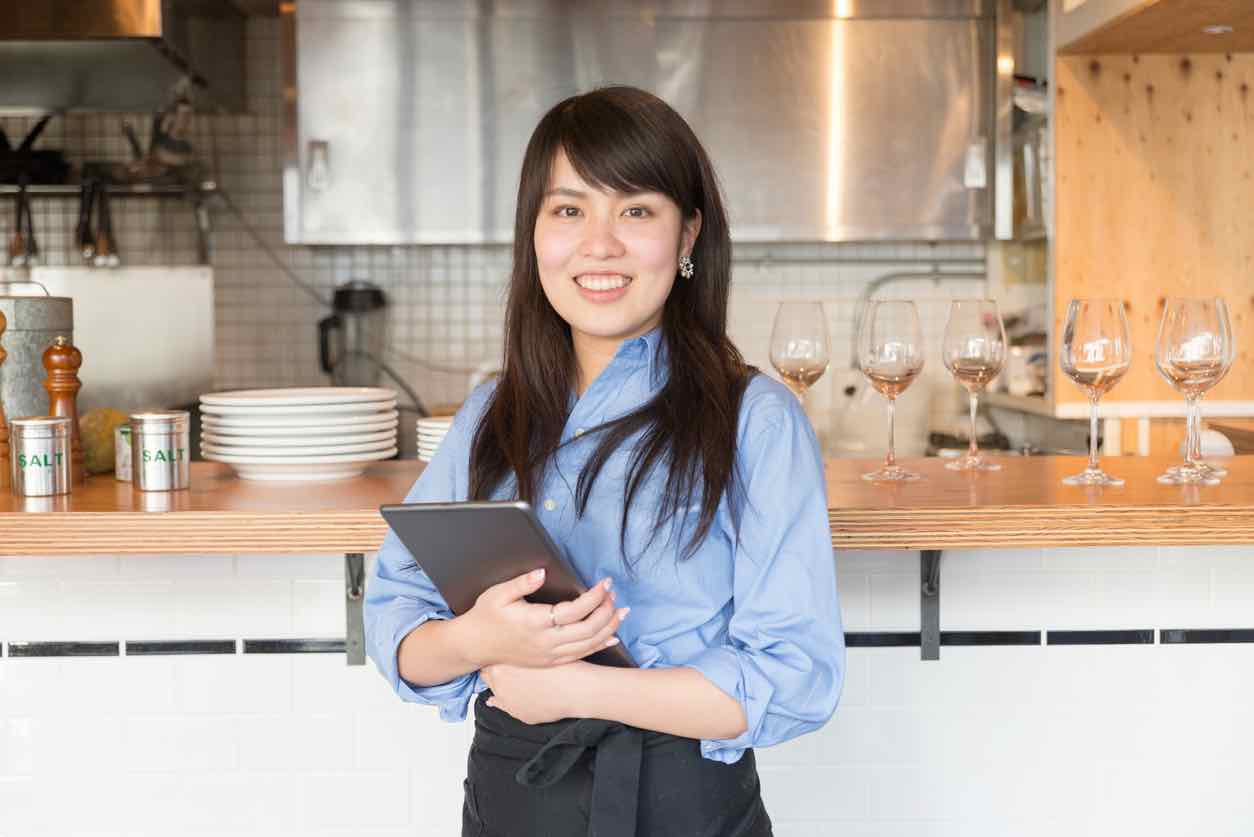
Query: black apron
{"points": [[594, 778]]}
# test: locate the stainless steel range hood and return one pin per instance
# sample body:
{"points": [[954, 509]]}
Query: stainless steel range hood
{"points": [[828, 120], [119, 55]]}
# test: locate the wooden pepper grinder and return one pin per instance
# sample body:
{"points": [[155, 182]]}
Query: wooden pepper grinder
{"points": [[62, 361], [4, 422]]}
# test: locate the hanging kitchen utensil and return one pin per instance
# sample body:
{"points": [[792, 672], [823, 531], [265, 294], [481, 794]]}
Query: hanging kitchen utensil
{"points": [[83, 234], [137, 151], [24, 161], [106, 245], [17, 244], [32, 248]]}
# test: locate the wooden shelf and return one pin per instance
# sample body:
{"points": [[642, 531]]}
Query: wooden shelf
{"points": [[132, 190], [1023, 505]]}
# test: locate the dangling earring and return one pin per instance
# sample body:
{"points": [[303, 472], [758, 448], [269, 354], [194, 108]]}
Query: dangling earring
{"points": [[685, 267]]}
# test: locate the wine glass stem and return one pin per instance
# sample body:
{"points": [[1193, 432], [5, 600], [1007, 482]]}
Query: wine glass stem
{"points": [[891, 460], [1192, 433], [972, 448], [1093, 434]]}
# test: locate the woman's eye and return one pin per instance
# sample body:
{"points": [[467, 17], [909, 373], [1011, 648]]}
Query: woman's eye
{"points": [[637, 212], [567, 211]]}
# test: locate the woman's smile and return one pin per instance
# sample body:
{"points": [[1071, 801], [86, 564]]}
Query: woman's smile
{"points": [[602, 287]]}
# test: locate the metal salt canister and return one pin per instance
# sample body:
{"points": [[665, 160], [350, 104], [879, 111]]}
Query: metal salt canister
{"points": [[39, 455], [160, 459]]}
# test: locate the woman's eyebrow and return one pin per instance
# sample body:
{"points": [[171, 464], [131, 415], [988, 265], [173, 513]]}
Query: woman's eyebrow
{"points": [[564, 192]]}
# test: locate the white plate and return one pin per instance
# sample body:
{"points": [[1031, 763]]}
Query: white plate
{"points": [[298, 441], [305, 469], [285, 425], [296, 396], [434, 424], [287, 454], [321, 472], [297, 411], [435, 437], [428, 448]]}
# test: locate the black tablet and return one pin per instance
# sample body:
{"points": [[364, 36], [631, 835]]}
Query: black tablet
{"points": [[465, 548]]}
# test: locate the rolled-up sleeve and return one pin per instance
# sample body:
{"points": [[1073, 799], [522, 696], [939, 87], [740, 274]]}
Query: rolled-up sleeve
{"points": [[400, 596], [783, 658]]}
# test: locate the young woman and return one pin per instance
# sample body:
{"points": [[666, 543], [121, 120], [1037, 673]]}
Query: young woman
{"points": [[681, 484]]}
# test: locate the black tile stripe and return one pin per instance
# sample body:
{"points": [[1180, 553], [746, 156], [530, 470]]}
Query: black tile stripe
{"points": [[1124, 637], [138, 648], [63, 649], [294, 646], [910, 639], [1172, 636], [882, 639], [990, 638]]}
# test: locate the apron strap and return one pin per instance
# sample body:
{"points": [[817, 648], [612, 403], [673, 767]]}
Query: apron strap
{"points": [[616, 783]]}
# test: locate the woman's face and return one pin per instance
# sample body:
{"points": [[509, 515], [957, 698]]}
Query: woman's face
{"points": [[608, 259]]}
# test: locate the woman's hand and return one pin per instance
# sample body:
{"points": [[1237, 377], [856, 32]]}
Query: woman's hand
{"points": [[533, 695], [507, 629]]}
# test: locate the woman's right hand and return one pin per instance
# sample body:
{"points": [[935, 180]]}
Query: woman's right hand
{"points": [[506, 628]]}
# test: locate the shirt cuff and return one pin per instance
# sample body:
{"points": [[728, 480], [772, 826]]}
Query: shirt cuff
{"points": [[452, 698], [724, 667]]}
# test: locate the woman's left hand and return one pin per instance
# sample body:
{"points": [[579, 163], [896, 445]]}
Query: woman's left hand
{"points": [[533, 695]]}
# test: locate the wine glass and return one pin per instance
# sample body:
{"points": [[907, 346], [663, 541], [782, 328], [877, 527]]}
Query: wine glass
{"points": [[890, 354], [1194, 352], [974, 350], [1096, 353], [799, 345]]}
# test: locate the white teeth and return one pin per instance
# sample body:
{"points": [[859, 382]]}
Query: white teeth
{"points": [[602, 283]]}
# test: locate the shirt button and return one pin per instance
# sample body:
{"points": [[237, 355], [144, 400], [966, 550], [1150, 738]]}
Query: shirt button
{"points": [[549, 505], [578, 431]]}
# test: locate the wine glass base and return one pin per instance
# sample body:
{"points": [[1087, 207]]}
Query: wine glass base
{"points": [[972, 463], [1092, 476], [1188, 475], [1213, 470], [892, 473]]}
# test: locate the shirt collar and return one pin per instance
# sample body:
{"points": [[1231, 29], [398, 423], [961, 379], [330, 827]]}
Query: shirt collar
{"points": [[649, 348]]}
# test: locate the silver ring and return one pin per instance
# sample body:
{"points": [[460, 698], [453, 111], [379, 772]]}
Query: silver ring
{"points": [[553, 616]]}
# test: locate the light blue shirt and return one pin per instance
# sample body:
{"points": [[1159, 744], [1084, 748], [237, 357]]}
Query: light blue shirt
{"points": [[759, 618]]}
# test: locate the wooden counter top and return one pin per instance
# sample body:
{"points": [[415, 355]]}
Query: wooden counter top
{"points": [[1022, 505], [1025, 504], [218, 514]]}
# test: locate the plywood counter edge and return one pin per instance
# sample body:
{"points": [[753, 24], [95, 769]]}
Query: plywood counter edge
{"points": [[947, 511]]}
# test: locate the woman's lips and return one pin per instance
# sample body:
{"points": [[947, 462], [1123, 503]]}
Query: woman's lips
{"points": [[602, 287]]}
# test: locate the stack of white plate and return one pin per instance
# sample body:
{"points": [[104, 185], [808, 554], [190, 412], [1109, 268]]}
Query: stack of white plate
{"points": [[304, 434], [431, 431]]}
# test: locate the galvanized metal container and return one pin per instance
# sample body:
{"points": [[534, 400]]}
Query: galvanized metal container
{"points": [[122, 452], [39, 455], [160, 450], [34, 322]]}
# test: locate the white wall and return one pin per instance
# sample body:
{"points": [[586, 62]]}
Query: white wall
{"points": [[986, 742]]}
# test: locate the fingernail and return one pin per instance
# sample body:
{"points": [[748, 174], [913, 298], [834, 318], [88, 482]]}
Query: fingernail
{"points": [[609, 582], [611, 642], [622, 613], [537, 575]]}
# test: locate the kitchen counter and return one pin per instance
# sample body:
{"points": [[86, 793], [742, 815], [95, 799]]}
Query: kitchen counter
{"points": [[1022, 505], [218, 514]]}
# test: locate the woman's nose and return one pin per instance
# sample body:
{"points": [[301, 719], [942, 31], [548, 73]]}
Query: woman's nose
{"points": [[601, 241]]}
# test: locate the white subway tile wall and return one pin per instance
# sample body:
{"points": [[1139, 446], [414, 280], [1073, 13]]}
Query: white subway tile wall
{"points": [[986, 742]]}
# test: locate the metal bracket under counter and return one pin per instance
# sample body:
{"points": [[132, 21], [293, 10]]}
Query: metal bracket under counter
{"points": [[929, 603], [355, 627]]}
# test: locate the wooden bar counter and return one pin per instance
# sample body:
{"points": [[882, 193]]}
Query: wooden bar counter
{"points": [[1022, 505]]}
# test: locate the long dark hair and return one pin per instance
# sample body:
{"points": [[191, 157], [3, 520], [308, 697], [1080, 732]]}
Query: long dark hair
{"points": [[626, 140]]}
